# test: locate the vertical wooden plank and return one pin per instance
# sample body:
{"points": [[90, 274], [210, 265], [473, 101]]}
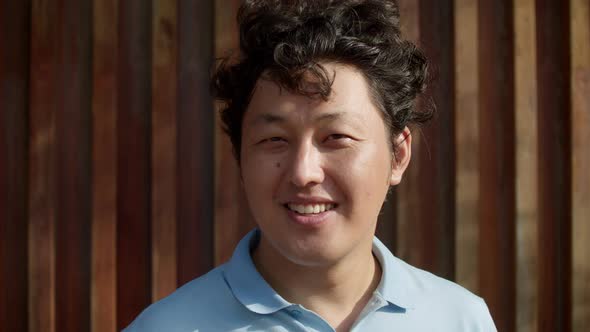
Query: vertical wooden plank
{"points": [[42, 150], [387, 223], [466, 142], [525, 63], [406, 207], [554, 128], [133, 160], [431, 177], [195, 139], [72, 222], [164, 45], [497, 161], [14, 83], [409, 19], [437, 37], [104, 168], [580, 122], [232, 216]]}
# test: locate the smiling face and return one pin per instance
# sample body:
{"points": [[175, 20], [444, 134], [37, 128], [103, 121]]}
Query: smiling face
{"points": [[316, 172]]}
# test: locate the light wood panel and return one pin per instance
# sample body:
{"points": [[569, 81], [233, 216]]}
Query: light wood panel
{"points": [[466, 142], [580, 124], [526, 161]]}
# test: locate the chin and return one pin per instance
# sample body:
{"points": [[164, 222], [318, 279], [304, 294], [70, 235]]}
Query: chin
{"points": [[310, 254]]}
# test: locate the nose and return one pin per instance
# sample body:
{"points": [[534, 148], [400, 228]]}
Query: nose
{"points": [[306, 167]]}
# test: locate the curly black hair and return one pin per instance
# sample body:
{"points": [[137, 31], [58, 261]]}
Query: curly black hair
{"points": [[286, 41]]}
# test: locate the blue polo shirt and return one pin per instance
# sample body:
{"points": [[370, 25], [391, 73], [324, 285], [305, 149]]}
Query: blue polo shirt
{"points": [[235, 297]]}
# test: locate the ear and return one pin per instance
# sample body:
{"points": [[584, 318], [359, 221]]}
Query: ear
{"points": [[401, 157]]}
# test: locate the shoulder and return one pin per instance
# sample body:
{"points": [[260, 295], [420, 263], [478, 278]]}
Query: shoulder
{"points": [[196, 303], [445, 301]]}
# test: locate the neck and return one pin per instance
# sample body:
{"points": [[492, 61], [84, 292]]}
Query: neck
{"points": [[337, 292]]}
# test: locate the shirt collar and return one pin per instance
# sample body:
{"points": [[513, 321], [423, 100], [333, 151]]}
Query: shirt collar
{"points": [[397, 285], [246, 283]]}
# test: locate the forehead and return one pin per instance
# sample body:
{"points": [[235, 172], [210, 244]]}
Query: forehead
{"points": [[349, 98]]}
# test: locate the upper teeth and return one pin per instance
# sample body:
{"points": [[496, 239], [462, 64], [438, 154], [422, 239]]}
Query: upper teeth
{"points": [[310, 208]]}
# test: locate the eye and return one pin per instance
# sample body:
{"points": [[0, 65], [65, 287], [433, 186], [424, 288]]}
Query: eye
{"points": [[275, 140], [338, 141], [333, 137]]}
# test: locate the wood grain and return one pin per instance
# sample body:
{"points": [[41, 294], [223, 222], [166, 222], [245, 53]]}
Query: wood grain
{"points": [[410, 28], [554, 165], [526, 161], [230, 207], [432, 227], [104, 168], [466, 142], [73, 159], [497, 162], [42, 163], [117, 183], [164, 131], [133, 160], [195, 140], [580, 124], [14, 83]]}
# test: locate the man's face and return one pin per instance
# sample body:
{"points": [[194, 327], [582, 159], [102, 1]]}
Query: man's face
{"points": [[316, 172]]}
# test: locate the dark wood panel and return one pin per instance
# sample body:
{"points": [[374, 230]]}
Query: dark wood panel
{"points": [[437, 36], [72, 226], [406, 190], [164, 70], [195, 139], [42, 162], [387, 223], [553, 68], [430, 201], [14, 81], [232, 215], [133, 160], [497, 161], [104, 167]]}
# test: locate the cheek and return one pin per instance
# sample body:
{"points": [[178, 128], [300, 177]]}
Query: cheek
{"points": [[260, 175], [363, 175]]}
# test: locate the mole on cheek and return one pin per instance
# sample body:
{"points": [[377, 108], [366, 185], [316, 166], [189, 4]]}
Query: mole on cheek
{"points": [[278, 165]]}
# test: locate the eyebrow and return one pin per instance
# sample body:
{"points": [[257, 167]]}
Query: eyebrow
{"points": [[269, 118]]}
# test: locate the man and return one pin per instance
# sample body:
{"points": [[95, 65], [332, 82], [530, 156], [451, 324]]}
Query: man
{"points": [[317, 108]]}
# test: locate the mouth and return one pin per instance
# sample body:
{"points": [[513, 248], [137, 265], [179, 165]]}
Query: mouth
{"points": [[310, 209]]}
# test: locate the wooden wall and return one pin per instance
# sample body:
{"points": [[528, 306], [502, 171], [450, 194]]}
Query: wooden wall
{"points": [[117, 185]]}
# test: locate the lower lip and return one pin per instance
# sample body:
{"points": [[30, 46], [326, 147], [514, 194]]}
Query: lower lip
{"points": [[310, 220]]}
